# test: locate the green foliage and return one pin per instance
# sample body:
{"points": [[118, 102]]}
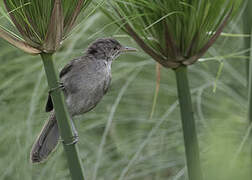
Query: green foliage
{"points": [[140, 147], [40, 22], [44, 25], [176, 33], [178, 30]]}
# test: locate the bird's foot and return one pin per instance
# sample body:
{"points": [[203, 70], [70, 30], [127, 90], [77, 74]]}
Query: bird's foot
{"points": [[75, 132], [73, 140], [61, 86]]}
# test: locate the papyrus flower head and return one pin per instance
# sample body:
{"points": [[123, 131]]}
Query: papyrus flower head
{"points": [[173, 32], [42, 24]]}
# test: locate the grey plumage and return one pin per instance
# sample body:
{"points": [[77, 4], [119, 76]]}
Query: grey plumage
{"points": [[46, 141], [85, 81]]}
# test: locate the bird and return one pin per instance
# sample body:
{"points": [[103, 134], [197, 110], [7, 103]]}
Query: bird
{"points": [[84, 81]]}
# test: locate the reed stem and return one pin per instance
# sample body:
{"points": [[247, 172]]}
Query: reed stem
{"points": [[247, 27], [188, 124], [63, 119]]}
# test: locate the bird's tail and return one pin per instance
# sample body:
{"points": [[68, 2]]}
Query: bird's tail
{"points": [[46, 141]]}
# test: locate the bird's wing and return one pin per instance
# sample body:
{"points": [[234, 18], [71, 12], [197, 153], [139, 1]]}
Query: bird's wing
{"points": [[65, 70], [107, 85]]}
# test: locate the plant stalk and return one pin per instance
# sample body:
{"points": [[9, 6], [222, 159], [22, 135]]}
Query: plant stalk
{"points": [[247, 27], [188, 124], [250, 82], [63, 119]]}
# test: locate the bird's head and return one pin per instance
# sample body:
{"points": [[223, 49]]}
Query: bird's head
{"points": [[107, 48]]}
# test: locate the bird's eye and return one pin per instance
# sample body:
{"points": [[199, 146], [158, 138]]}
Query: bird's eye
{"points": [[93, 51], [115, 48]]}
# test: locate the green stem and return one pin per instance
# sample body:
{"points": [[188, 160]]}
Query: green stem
{"points": [[247, 29], [247, 25], [188, 124], [63, 119], [250, 88]]}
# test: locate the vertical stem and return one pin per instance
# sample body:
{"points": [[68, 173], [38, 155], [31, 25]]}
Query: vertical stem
{"points": [[250, 84], [247, 25], [63, 119], [250, 102], [247, 29], [188, 124]]}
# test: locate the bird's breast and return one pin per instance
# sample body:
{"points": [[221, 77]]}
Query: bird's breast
{"points": [[85, 90]]}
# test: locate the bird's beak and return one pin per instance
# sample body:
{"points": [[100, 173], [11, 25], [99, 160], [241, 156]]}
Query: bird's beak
{"points": [[128, 49]]}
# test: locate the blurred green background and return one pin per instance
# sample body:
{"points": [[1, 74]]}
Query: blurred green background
{"points": [[135, 146]]}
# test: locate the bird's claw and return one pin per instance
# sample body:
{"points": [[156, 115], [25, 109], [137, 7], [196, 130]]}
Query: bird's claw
{"points": [[61, 86], [71, 141], [74, 139]]}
